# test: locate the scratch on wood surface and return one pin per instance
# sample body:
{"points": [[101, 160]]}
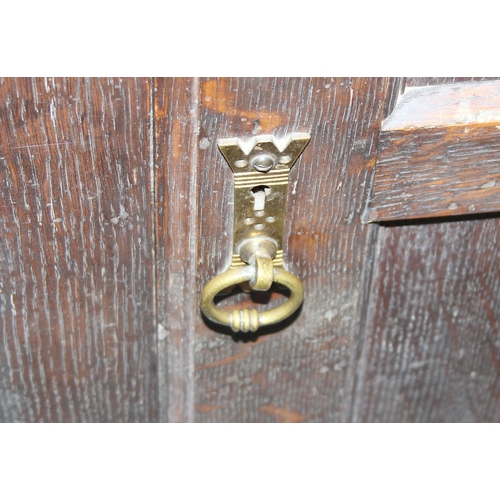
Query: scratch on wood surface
{"points": [[43, 145], [206, 408], [225, 361], [283, 415]]}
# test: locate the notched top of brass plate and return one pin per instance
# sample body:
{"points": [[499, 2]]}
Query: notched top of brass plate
{"points": [[261, 167]]}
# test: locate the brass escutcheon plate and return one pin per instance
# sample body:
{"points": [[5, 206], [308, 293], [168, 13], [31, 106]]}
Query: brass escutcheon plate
{"points": [[261, 167]]}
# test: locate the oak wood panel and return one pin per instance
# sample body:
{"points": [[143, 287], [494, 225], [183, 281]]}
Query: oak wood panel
{"points": [[446, 105], [395, 87], [176, 119], [400, 84], [439, 153], [304, 370], [76, 302], [419, 81], [432, 347]]}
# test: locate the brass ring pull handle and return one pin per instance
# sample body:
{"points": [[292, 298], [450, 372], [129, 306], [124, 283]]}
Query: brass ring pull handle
{"points": [[250, 319]]}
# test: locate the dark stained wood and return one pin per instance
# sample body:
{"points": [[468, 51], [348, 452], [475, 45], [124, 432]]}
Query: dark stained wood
{"points": [[439, 153], [302, 371], [432, 347], [176, 119], [445, 171], [76, 302], [115, 213]]}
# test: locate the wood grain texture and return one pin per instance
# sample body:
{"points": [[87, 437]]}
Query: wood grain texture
{"points": [[303, 370], [176, 119], [76, 302], [446, 105], [398, 86], [432, 348], [419, 81], [439, 154], [395, 88], [99, 310]]}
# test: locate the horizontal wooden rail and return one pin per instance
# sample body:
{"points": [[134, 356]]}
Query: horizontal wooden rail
{"points": [[439, 153]]}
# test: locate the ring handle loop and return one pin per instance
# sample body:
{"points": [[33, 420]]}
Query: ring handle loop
{"points": [[250, 319]]}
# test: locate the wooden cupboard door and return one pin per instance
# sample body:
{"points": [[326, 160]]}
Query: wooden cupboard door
{"points": [[77, 320], [431, 346], [116, 209], [304, 370], [399, 322]]}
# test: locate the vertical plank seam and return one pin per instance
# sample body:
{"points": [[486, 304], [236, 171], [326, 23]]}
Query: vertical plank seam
{"points": [[366, 284], [371, 258], [193, 242], [152, 188]]}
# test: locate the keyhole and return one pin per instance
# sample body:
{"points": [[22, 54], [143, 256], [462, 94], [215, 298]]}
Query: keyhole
{"points": [[259, 193]]}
